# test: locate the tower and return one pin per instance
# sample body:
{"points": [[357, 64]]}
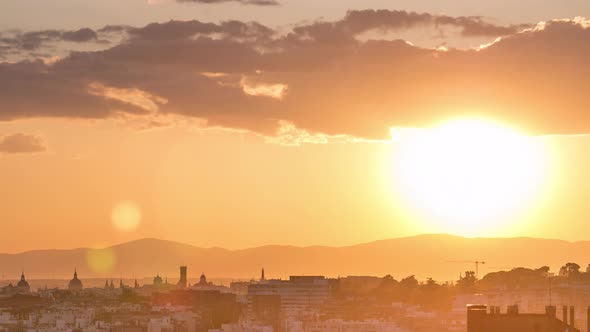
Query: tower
{"points": [[182, 282], [75, 284], [262, 275], [23, 285]]}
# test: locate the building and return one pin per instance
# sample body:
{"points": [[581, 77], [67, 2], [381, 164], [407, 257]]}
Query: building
{"points": [[339, 325], [298, 294], [75, 284], [23, 286], [158, 282], [214, 307], [530, 299], [182, 282], [480, 320]]}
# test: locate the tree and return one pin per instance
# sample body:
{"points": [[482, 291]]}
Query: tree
{"points": [[409, 282], [468, 280], [431, 282], [570, 269]]}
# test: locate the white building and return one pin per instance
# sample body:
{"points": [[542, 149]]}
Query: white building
{"points": [[297, 294]]}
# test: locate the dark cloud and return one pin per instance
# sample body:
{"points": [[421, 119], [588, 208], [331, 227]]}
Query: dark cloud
{"points": [[30, 41], [81, 35], [319, 77], [179, 30], [21, 143], [360, 21]]}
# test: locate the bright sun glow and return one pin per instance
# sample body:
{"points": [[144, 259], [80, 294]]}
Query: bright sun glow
{"points": [[126, 216], [468, 177]]}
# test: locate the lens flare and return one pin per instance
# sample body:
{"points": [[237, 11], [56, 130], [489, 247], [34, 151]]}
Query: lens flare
{"points": [[100, 260]]}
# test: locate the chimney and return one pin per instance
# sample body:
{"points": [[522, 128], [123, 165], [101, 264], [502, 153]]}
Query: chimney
{"points": [[475, 317], [572, 318], [551, 311], [564, 314]]}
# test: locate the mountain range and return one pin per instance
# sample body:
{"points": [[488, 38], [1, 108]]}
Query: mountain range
{"points": [[442, 257]]}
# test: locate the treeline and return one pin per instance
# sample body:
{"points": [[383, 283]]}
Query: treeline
{"points": [[433, 295]]}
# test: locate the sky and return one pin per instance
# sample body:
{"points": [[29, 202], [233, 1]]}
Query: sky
{"points": [[243, 123]]}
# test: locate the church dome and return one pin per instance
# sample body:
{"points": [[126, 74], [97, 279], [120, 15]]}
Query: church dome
{"points": [[158, 280], [23, 284], [75, 284], [203, 280]]}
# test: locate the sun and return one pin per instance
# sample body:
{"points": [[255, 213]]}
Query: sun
{"points": [[469, 177]]}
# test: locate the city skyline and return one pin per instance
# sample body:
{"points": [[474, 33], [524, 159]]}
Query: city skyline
{"points": [[441, 257], [294, 165]]}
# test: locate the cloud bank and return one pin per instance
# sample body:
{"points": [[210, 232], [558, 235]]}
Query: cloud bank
{"points": [[319, 77]]}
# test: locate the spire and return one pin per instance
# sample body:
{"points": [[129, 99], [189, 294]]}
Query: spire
{"points": [[22, 276], [262, 275], [75, 273]]}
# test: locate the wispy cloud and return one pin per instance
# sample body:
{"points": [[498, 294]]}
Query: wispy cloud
{"points": [[244, 2], [21, 143]]}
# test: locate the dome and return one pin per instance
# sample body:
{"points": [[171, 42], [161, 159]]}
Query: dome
{"points": [[158, 280], [75, 284], [203, 279], [23, 284]]}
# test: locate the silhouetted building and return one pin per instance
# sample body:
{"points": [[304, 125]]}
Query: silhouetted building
{"points": [[297, 294], [266, 309], [479, 320], [182, 282], [158, 281], [75, 284], [203, 280], [23, 285], [214, 307]]}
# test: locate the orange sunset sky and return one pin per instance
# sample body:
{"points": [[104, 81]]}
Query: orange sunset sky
{"points": [[300, 122]]}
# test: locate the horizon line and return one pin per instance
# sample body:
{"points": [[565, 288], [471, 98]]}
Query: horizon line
{"points": [[296, 246]]}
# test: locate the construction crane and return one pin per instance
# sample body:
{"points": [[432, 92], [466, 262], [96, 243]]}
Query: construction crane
{"points": [[477, 263]]}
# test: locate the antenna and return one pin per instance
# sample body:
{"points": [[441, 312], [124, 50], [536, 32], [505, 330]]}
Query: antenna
{"points": [[550, 291], [477, 263]]}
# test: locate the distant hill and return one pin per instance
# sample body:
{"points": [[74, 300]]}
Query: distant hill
{"points": [[437, 256]]}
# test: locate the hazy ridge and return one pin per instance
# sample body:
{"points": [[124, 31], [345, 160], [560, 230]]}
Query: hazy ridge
{"points": [[425, 256]]}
